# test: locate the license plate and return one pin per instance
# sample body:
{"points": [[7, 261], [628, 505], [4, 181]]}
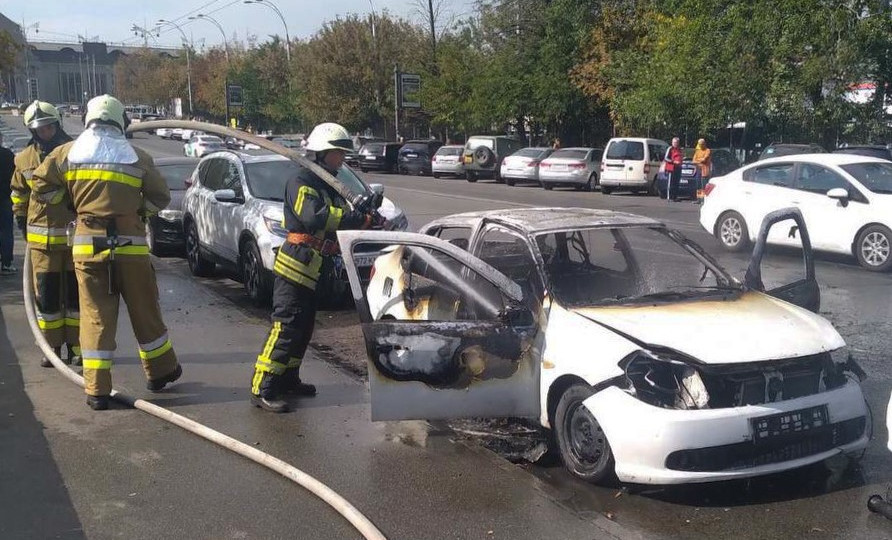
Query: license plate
{"points": [[365, 259], [559, 167], [371, 158], [767, 428], [683, 181], [411, 156]]}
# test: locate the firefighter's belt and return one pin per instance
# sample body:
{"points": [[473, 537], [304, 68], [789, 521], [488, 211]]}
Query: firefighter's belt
{"points": [[326, 247]]}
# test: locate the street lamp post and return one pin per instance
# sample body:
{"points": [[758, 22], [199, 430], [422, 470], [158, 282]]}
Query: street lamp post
{"points": [[186, 45], [273, 7], [226, 52]]}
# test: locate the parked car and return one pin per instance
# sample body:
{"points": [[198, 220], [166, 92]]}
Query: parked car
{"points": [[577, 167], [483, 155], [415, 156], [177, 134], [632, 163], [233, 144], [448, 160], [846, 201], [523, 165], [187, 134], [164, 133], [18, 144], [164, 231], [352, 158], [783, 149], [723, 162], [574, 317], [873, 150], [199, 145], [379, 156], [233, 216], [287, 143]]}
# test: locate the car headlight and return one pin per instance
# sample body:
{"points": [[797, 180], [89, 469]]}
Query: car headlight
{"points": [[171, 215], [275, 226], [664, 382]]}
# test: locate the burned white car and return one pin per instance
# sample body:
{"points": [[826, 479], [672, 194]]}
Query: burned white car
{"points": [[637, 349]]}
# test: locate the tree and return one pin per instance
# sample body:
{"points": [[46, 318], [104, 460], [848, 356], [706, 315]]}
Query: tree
{"points": [[9, 51]]}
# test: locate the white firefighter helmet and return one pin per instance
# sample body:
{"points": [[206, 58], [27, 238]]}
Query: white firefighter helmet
{"points": [[105, 109], [41, 113], [329, 136]]}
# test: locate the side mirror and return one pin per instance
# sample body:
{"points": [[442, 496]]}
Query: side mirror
{"points": [[518, 317], [227, 196], [377, 188], [839, 194]]}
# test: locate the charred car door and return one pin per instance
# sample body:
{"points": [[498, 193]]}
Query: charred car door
{"points": [[804, 292], [447, 335]]}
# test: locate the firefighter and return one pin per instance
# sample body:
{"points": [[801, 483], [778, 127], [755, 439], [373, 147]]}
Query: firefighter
{"points": [[44, 226], [112, 187], [314, 211]]}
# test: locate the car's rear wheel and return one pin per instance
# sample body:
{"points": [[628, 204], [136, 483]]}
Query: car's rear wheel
{"points": [[548, 186], [872, 248], [581, 440], [471, 176], [589, 184], [509, 181], [606, 190], [731, 231], [256, 279], [199, 265], [435, 175]]}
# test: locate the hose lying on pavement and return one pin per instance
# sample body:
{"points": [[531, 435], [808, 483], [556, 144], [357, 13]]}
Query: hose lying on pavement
{"points": [[341, 505], [876, 504]]}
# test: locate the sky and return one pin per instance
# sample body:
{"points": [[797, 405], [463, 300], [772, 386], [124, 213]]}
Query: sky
{"points": [[112, 20]]}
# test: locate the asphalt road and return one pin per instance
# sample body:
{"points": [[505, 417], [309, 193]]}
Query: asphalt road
{"points": [[71, 473]]}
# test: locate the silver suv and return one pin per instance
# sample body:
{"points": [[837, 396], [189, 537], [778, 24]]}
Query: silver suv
{"points": [[232, 216]]}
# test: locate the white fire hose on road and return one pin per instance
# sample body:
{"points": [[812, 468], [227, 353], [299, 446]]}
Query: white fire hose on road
{"points": [[338, 503]]}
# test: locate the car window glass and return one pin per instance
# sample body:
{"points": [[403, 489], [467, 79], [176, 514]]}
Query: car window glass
{"points": [[622, 149], [473, 144], [449, 151], [457, 236], [816, 179], [233, 179], [267, 179], [528, 152], [772, 175], [570, 153], [877, 177], [176, 175], [510, 255], [216, 170]]}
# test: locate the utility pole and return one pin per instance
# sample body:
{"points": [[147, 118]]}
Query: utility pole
{"points": [[396, 102], [226, 52], [430, 8], [186, 45]]}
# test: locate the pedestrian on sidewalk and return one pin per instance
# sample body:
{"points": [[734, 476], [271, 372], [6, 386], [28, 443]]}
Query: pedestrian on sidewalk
{"points": [[673, 158], [113, 188], [44, 228], [703, 159], [314, 212], [7, 168]]}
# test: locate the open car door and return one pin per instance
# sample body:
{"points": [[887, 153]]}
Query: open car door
{"points": [[446, 334], [803, 292]]}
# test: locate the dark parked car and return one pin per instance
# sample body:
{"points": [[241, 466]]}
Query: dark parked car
{"points": [[352, 158], [379, 156], [872, 150], [164, 231], [723, 162], [415, 156], [778, 150]]}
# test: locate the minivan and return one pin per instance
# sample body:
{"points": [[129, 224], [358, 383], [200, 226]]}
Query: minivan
{"points": [[632, 163]]}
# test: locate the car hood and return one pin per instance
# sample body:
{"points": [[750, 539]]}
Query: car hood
{"points": [[754, 327]]}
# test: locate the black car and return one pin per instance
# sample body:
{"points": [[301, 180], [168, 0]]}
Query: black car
{"points": [[379, 156], [784, 149], [871, 150], [415, 156], [164, 232]]}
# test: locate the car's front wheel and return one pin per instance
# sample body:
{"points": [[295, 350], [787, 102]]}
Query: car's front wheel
{"points": [[256, 279], [872, 248], [435, 175], [731, 231], [199, 265], [471, 176], [581, 440], [606, 190]]}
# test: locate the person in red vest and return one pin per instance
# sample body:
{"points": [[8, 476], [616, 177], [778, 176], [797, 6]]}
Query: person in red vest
{"points": [[673, 158]]}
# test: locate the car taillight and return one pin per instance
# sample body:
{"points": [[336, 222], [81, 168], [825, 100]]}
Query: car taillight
{"points": [[647, 168], [434, 159], [708, 189], [544, 165], [532, 163], [577, 165]]}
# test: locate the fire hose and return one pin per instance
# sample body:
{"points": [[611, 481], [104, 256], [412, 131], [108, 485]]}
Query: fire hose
{"points": [[362, 524], [877, 505]]}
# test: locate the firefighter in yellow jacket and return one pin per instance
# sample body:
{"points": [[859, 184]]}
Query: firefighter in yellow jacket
{"points": [[55, 286], [112, 187]]}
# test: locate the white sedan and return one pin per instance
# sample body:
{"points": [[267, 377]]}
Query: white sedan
{"points": [[846, 201], [199, 145], [637, 349]]}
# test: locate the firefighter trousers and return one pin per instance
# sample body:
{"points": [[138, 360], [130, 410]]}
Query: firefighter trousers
{"points": [[55, 292], [134, 280], [294, 316]]}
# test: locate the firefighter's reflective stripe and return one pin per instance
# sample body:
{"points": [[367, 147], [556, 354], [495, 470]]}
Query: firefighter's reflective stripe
{"points": [[106, 172], [302, 194], [97, 359], [18, 197], [294, 362], [154, 349], [334, 218], [47, 235], [264, 364], [50, 321], [84, 246], [296, 271]]}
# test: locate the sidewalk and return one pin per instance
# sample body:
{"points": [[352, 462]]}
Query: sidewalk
{"points": [[74, 473]]}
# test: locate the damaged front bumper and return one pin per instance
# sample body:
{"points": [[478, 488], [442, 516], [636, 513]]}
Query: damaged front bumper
{"points": [[654, 445]]}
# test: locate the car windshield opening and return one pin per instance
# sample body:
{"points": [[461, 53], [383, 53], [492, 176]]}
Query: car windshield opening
{"points": [[530, 152], [875, 176], [569, 153], [372, 148], [453, 151], [176, 175], [632, 150], [267, 179], [628, 265], [414, 147]]}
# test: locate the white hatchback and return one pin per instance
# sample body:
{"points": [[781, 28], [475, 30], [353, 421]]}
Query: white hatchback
{"points": [[635, 347], [846, 201]]}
